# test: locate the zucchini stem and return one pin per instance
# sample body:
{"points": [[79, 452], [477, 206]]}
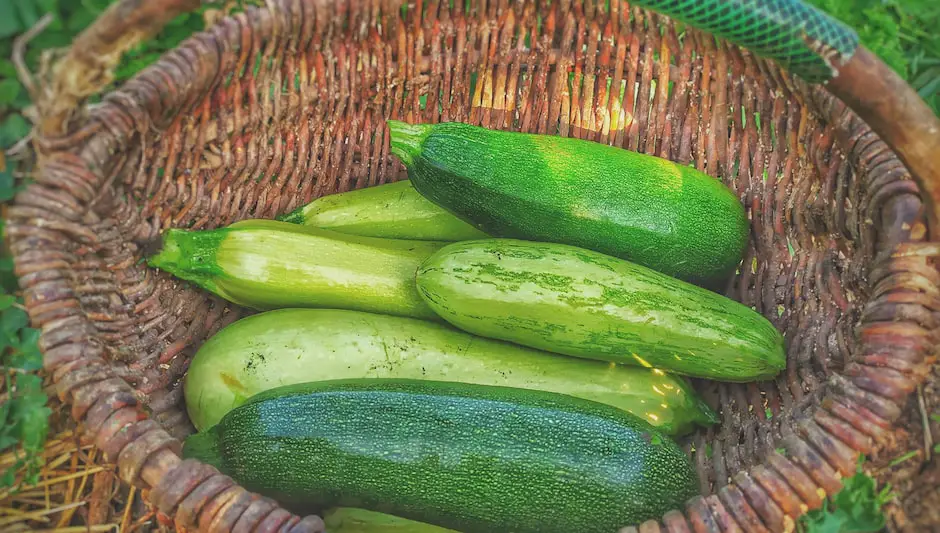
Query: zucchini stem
{"points": [[203, 446], [297, 216], [189, 255], [407, 139]]}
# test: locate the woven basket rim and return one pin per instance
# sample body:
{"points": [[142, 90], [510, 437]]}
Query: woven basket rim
{"points": [[854, 416]]}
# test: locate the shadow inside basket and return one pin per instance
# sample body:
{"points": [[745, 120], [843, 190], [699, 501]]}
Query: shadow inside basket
{"points": [[255, 118]]}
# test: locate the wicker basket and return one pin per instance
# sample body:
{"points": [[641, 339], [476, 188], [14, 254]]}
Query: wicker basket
{"points": [[275, 106]]}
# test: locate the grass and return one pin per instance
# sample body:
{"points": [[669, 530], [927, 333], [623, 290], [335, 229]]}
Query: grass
{"points": [[902, 32]]}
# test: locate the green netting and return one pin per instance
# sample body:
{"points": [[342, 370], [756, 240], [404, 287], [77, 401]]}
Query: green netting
{"points": [[794, 34]]}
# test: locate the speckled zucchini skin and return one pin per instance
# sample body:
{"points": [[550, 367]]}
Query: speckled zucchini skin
{"points": [[651, 211], [467, 457], [582, 303]]}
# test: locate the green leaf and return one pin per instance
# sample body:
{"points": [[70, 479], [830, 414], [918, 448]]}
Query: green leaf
{"points": [[7, 69], [51, 6], [28, 357], [12, 320], [9, 476], [27, 360], [12, 130], [9, 21], [29, 383], [7, 278], [25, 418], [80, 20], [9, 90], [5, 422], [6, 300], [854, 509], [7, 440], [48, 6], [34, 419], [824, 522], [45, 41], [28, 13], [29, 338], [7, 186]]}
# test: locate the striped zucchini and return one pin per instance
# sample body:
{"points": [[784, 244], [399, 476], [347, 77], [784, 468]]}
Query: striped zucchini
{"points": [[586, 304], [288, 346], [392, 210], [266, 264]]}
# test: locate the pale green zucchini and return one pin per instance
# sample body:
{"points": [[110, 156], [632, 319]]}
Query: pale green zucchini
{"points": [[586, 304], [265, 264], [355, 520], [391, 210], [290, 346]]}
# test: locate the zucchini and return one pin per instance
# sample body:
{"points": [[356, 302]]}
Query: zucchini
{"points": [[288, 346], [468, 457], [354, 520], [586, 304], [267, 264], [392, 210], [648, 210]]}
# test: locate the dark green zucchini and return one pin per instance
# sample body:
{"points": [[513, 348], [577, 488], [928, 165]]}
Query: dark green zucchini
{"points": [[648, 210], [467, 457]]}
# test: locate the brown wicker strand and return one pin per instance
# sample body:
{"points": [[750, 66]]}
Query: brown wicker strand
{"points": [[275, 106]]}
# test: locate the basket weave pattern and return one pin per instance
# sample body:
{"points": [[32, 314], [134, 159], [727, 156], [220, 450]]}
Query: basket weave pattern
{"points": [[274, 107]]}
